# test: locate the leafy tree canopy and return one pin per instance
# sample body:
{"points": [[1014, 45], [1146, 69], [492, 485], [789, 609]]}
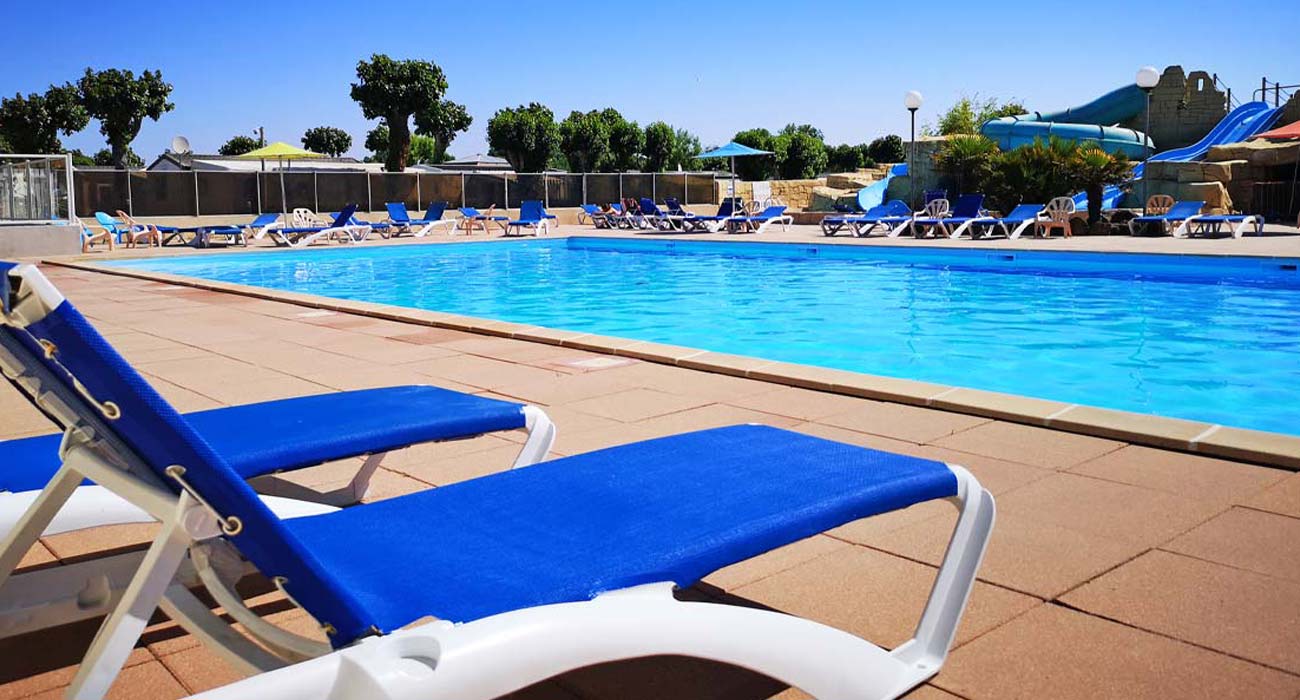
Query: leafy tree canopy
{"points": [[329, 140], [32, 124], [105, 158], [887, 149], [527, 136], [239, 145], [686, 151], [396, 91], [660, 142], [442, 124], [755, 167], [584, 141], [969, 113], [121, 102], [626, 142], [800, 153], [846, 158]]}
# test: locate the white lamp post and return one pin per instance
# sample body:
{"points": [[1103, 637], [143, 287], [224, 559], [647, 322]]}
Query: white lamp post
{"points": [[912, 101], [1147, 78]]}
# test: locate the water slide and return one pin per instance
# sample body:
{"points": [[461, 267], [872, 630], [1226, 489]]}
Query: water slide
{"points": [[873, 195], [1241, 123], [1089, 122]]}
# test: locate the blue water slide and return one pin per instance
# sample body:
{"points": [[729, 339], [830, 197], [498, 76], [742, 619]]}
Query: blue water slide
{"points": [[873, 195], [1088, 122], [1241, 123]]}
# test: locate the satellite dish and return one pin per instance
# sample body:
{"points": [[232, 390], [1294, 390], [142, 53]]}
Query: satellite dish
{"points": [[180, 144]]}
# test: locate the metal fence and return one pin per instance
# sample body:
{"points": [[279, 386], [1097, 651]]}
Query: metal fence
{"points": [[35, 187], [195, 193]]}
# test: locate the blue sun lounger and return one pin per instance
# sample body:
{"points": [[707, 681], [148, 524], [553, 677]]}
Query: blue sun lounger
{"points": [[968, 209], [301, 236], [1012, 225], [529, 573], [531, 216], [124, 233], [892, 214], [233, 234], [759, 222], [590, 214], [716, 222], [400, 221], [473, 217], [1212, 224], [257, 441], [1174, 219]]}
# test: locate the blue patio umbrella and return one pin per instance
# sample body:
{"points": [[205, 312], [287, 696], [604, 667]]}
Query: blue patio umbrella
{"points": [[733, 151]]}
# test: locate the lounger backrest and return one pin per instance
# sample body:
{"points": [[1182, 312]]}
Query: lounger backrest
{"points": [[674, 206], [50, 338], [108, 222], [616, 206], [727, 207], [898, 207], [470, 212], [771, 212], [591, 209], [1024, 212], [968, 206], [649, 207], [344, 218], [435, 211], [397, 212], [879, 211], [531, 210], [1184, 210], [264, 220]]}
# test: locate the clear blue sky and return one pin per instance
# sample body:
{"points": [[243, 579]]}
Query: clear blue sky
{"points": [[711, 67]]}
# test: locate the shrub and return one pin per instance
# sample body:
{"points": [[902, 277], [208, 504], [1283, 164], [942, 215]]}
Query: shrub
{"points": [[887, 149]]}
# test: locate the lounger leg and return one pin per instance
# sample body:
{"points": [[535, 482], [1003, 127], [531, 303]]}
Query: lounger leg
{"points": [[956, 577], [541, 436], [36, 519], [118, 635]]}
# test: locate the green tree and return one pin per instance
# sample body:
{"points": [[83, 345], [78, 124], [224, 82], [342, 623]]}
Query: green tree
{"points": [[1094, 169], [377, 144], [626, 142], [105, 158], [79, 159], [887, 149], [967, 162], [32, 124], [755, 167], [807, 129], [121, 102], [686, 149], [969, 113], [584, 141], [846, 158], [800, 154], [1035, 172], [442, 124], [396, 91], [526, 136], [239, 145], [660, 141], [329, 140]]}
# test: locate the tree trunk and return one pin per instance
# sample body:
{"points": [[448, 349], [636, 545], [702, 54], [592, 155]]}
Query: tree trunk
{"points": [[399, 144], [1095, 193]]}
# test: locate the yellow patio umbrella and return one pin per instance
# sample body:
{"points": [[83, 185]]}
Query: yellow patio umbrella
{"points": [[281, 152]]}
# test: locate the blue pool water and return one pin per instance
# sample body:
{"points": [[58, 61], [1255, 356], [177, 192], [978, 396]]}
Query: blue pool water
{"points": [[1210, 339]]}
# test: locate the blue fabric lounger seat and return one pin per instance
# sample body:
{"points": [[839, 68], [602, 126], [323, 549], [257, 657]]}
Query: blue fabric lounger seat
{"points": [[1012, 225], [1212, 224], [672, 509], [1179, 213], [889, 215], [968, 210], [264, 438]]}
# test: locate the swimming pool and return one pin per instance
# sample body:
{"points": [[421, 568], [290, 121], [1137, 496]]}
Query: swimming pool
{"points": [[1203, 338]]}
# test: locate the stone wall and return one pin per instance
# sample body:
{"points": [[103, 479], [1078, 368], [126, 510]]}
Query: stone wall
{"points": [[927, 178], [1184, 107], [796, 194]]}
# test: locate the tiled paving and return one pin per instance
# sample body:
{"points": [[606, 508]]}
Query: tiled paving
{"points": [[1115, 570]]}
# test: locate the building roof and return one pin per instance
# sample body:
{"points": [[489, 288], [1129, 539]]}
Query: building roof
{"points": [[215, 162]]}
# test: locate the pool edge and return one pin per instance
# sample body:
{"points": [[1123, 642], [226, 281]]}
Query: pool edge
{"points": [[1261, 447]]}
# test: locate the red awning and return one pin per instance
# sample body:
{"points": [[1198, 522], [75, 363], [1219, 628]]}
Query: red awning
{"points": [[1289, 132]]}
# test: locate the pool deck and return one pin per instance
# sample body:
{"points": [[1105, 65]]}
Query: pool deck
{"points": [[1116, 570]]}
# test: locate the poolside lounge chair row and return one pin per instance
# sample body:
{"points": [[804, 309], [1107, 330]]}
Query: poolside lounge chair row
{"points": [[645, 214], [550, 567], [967, 215]]}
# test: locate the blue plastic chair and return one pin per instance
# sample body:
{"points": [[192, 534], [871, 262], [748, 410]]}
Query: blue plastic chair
{"points": [[529, 572]]}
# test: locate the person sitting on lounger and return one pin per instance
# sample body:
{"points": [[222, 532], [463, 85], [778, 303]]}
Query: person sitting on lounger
{"points": [[153, 235]]}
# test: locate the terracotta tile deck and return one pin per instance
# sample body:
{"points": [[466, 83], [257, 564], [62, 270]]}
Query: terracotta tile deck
{"points": [[1115, 570]]}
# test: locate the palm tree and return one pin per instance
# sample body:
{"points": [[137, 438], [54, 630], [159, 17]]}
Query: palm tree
{"points": [[968, 161], [1093, 169]]}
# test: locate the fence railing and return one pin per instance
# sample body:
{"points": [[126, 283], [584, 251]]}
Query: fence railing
{"points": [[35, 187], [200, 193]]}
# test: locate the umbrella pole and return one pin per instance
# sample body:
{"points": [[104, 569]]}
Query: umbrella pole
{"points": [[284, 206]]}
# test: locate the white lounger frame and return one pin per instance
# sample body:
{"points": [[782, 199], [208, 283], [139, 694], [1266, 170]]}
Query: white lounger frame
{"points": [[934, 209]]}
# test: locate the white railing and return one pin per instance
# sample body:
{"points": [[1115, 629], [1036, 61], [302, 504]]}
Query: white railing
{"points": [[35, 187]]}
